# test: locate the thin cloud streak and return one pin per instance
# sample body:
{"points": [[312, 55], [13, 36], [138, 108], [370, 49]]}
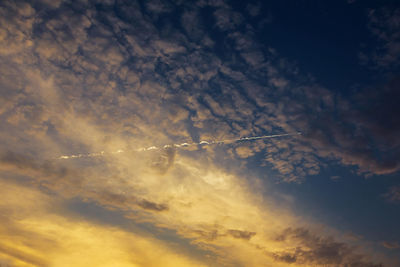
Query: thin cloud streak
{"points": [[180, 146]]}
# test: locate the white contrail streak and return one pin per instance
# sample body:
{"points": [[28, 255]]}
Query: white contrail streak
{"points": [[183, 145]]}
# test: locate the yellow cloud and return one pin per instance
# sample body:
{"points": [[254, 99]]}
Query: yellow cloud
{"points": [[33, 235], [216, 212]]}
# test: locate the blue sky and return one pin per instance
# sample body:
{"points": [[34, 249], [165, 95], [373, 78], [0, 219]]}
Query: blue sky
{"points": [[97, 99]]}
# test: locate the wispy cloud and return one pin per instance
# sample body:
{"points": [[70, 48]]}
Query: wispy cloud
{"points": [[393, 194], [317, 250], [180, 146], [391, 245], [385, 26]]}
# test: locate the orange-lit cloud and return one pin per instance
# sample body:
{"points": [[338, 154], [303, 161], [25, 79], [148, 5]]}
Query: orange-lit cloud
{"points": [[68, 87], [35, 233], [217, 214]]}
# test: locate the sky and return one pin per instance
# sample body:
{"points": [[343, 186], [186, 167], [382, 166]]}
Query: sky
{"points": [[126, 133]]}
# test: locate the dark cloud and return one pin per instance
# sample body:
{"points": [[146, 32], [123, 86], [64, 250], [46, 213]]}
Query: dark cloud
{"points": [[360, 130], [384, 24], [378, 111], [391, 245], [241, 234], [123, 202], [374, 115], [71, 182], [114, 199], [393, 194], [210, 233], [163, 160], [22, 256], [313, 249], [148, 205], [254, 9], [227, 19], [286, 257], [45, 172]]}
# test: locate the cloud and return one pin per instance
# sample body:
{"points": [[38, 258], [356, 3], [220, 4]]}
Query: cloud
{"points": [[164, 160], [393, 194], [64, 241], [254, 9], [5, 263], [105, 79], [318, 250], [210, 114], [227, 19], [332, 136], [49, 175], [241, 234], [152, 206], [384, 25], [391, 245], [244, 152], [196, 200], [21, 256], [380, 125]]}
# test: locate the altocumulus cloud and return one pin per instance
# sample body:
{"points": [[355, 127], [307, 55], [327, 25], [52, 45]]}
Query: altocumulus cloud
{"points": [[84, 76], [116, 65]]}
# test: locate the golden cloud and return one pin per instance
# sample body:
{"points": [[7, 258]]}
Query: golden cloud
{"points": [[219, 217]]}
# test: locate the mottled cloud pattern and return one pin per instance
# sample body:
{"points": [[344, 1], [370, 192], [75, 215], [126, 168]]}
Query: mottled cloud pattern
{"points": [[85, 76], [318, 251], [393, 194], [384, 24]]}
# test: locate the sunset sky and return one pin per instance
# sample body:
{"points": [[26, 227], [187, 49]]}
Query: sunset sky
{"points": [[97, 98]]}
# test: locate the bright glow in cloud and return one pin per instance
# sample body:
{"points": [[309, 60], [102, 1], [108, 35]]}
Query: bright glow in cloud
{"points": [[181, 146], [32, 235]]}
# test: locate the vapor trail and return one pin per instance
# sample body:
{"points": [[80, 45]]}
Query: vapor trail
{"points": [[180, 146]]}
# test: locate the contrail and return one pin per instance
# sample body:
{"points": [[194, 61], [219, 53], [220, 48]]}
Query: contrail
{"points": [[181, 146]]}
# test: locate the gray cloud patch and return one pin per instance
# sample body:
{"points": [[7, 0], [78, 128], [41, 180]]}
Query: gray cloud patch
{"points": [[241, 234], [124, 202], [71, 182], [384, 25], [391, 244], [318, 250], [393, 194], [212, 233], [377, 116], [46, 171], [163, 160], [22, 256], [148, 205]]}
